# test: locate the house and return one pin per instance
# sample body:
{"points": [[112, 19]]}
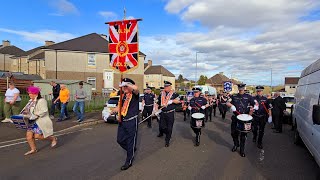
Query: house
{"points": [[218, 80], [291, 84], [6, 52], [31, 61], [185, 85], [155, 75], [86, 58]]}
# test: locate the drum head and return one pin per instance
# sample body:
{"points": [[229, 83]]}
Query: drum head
{"points": [[197, 115], [244, 117]]}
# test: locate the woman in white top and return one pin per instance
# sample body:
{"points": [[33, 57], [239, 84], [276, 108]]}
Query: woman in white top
{"points": [[11, 102], [37, 110]]}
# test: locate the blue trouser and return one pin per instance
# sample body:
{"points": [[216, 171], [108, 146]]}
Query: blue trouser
{"points": [[64, 111], [79, 105], [147, 111], [127, 137]]}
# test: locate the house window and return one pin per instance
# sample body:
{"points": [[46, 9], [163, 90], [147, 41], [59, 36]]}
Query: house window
{"points": [[91, 60], [14, 62], [92, 81]]}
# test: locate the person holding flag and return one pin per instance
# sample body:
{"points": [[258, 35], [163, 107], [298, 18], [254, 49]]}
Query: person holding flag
{"points": [[128, 120], [166, 102]]}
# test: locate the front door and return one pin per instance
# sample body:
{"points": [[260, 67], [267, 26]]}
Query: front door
{"points": [[108, 79]]}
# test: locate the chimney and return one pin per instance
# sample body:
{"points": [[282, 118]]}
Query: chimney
{"points": [[221, 73], [104, 36], [5, 43], [48, 43], [149, 62]]}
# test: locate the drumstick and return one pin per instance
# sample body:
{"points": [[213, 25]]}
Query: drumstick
{"points": [[149, 116]]}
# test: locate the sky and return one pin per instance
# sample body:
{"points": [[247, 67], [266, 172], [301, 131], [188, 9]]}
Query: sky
{"points": [[246, 39]]}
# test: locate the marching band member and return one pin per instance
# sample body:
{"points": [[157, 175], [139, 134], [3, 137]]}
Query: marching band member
{"points": [[167, 100], [206, 96], [185, 110], [214, 104], [241, 103], [148, 103], [128, 126], [260, 116], [198, 104], [223, 101]]}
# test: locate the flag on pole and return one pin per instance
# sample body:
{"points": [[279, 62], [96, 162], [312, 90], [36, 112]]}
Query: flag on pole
{"points": [[123, 45]]}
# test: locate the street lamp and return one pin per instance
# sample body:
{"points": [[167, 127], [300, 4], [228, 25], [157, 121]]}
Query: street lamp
{"points": [[196, 83]]}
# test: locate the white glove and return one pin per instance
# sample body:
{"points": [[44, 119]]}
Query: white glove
{"points": [[233, 108], [105, 115], [169, 102], [256, 107], [203, 107], [158, 112], [270, 119], [190, 108]]}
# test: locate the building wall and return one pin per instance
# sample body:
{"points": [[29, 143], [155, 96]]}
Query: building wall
{"points": [[290, 88], [74, 66], [28, 67], [8, 61]]}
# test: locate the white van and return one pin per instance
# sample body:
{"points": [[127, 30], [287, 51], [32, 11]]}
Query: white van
{"points": [[211, 90], [306, 111]]}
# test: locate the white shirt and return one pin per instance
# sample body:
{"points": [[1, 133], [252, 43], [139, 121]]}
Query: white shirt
{"points": [[10, 94]]}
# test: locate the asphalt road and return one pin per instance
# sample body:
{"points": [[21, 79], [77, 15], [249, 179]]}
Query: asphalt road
{"points": [[92, 153]]}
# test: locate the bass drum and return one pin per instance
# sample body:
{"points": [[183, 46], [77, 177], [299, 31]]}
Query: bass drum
{"points": [[199, 118]]}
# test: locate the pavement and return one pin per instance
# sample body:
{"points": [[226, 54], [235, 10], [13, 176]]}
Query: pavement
{"points": [[9, 132], [91, 152]]}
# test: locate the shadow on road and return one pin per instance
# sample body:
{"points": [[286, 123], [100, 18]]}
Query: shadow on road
{"points": [[214, 136]]}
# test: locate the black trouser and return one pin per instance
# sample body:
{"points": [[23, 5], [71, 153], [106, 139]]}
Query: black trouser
{"points": [[214, 109], [54, 106], [277, 119], [224, 109], [166, 124], [209, 113], [147, 111], [235, 134], [220, 108], [185, 112], [258, 124], [197, 131]]}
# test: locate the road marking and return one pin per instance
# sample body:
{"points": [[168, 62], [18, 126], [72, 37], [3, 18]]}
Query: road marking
{"points": [[56, 135]]}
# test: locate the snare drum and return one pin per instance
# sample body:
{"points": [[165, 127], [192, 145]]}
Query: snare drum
{"points": [[198, 117], [244, 123], [22, 123]]}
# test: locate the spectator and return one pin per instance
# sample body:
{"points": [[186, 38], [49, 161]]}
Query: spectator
{"points": [[279, 106], [54, 104], [80, 96], [11, 102], [37, 110], [113, 93], [64, 97]]}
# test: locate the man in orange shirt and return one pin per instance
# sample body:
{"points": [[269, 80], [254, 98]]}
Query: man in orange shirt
{"points": [[64, 97]]}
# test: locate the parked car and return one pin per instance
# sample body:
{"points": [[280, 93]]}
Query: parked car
{"points": [[306, 114], [289, 108], [111, 104]]}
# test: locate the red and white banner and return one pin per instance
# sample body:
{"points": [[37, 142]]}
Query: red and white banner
{"points": [[123, 45]]}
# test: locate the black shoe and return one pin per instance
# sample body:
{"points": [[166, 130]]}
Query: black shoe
{"points": [[242, 154], [125, 167], [59, 120], [197, 144], [276, 131], [260, 146], [254, 140], [160, 135], [167, 144], [234, 148], [149, 126]]}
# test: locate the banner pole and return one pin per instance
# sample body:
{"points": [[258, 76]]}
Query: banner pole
{"points": [[120, 99]]}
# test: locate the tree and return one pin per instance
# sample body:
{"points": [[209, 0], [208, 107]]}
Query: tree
{"points": [[180, 78], [202, 80]]}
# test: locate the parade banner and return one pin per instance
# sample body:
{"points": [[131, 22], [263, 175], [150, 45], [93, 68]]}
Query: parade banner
{"points": [[124, 45], [227, 86]]}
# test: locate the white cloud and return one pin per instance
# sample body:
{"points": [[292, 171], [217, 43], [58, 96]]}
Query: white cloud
{"points": [[108, 15], [241, 13], [63, 7], [40, 36]]}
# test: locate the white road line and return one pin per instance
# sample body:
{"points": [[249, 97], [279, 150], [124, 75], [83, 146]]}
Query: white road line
{"points": [[57, 135]]}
